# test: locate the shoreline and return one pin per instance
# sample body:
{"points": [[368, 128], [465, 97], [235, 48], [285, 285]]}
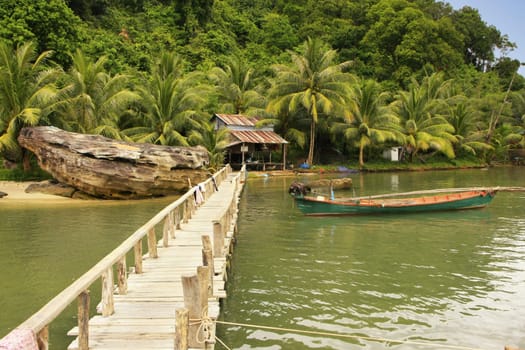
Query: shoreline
{"points": [[16, 192]]}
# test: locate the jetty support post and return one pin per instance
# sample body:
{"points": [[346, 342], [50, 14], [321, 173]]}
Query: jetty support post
{"points": [[83, 320], [207, 259], [182, 324], [195, 290]]}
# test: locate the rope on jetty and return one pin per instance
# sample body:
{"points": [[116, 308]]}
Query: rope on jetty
{"points": [[348, 336]]}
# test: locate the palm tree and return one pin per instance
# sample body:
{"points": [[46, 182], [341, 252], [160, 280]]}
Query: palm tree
{"points": [[419, 110], [236, 87], [368, 120], [313, 82], [97, 101], [215, 142], [468, 130], [27, 95], [171, 103]]}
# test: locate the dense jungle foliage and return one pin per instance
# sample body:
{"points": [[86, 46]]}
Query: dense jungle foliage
{"points": [[341, 80]]}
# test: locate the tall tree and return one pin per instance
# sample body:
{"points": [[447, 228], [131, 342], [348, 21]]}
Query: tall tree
{"points": [[420, 109], [313, 82], [27, 95], [368, 120], [171, 104], [237, 87], [97, 100], [479, 39], [468, 129], [215, 142], [50, 24]]}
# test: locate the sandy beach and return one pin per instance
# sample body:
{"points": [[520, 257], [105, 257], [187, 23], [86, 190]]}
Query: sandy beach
{"points": [[16, 192]]}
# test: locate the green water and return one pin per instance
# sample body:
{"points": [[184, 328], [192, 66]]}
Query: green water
{"points": [[45, 247], [453, 278]]}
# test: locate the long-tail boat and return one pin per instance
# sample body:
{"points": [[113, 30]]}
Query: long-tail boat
{"points": [[409, 202]]}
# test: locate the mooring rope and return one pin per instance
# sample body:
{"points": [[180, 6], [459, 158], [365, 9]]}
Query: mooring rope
{"points": [[384, 340], [222, 343], [204, 332]]}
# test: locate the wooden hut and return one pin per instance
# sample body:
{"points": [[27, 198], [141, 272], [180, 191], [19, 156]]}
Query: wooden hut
{"points": [[249, 144]]}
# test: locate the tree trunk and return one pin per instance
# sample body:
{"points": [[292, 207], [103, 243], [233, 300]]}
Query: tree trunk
{"points": [[361, 155], [26, 160], [310, 160]]}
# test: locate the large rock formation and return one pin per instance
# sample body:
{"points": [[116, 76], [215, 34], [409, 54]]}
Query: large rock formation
{"points": [[108, 168]]}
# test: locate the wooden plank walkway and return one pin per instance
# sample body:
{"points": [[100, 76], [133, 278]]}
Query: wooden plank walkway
{"points": [[144, 317]]}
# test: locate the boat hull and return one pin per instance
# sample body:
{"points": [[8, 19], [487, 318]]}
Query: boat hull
{"points": [[321, 206]]}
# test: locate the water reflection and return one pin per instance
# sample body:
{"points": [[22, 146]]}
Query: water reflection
{"points": [[452, 278]]}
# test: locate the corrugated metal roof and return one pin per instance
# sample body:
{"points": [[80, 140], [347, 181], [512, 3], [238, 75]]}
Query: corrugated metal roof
{"points": [[257, 136], [237, 119]]}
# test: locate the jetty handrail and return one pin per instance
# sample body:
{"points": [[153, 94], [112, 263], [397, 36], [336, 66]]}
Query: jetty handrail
{"points": [[40, 320], [222, 222]]}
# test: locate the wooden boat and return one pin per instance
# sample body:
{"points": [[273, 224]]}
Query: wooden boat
{"points": [[408, 202]]}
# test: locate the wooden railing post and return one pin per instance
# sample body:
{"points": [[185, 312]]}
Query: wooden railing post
{"points": [[138, 256], [177, 219], [83, 320], [108, 305], [152, 243], [203, 273], [207, 259], [166, 230], [185, 212], [182, 324], [218, 238], [172, 225], [122, 276]]}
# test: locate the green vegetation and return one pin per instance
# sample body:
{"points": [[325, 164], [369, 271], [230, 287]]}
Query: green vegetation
{"points": [[340, 80]]}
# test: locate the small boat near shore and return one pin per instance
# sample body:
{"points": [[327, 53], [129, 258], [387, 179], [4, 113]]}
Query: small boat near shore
{"points": [[408, 202]]}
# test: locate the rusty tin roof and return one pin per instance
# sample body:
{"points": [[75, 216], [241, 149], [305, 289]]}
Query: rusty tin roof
{"points": [[256, 136], [237, 119]]}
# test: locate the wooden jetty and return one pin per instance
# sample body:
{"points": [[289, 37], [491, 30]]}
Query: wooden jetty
{"points": [[170, 297]]}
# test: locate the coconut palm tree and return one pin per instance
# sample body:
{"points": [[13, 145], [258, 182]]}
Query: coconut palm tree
{"points": [[468, 129], [237, 88], [97, 100], [27, 95], [419, 110], [215, 142], [368, 120], [171, 104], [313, 83]]}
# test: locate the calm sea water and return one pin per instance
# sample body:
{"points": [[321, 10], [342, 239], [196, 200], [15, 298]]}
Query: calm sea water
{"points": [[46, 246], [452, 278], [455, 278]]}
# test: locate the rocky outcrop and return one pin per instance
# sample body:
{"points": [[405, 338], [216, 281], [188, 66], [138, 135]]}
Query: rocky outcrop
{"points": [[107, 168], [51, 187]]}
